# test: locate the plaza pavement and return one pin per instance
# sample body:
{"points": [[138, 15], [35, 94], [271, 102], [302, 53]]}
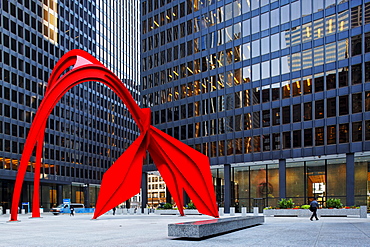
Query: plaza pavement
{"points": [[151, 230]]}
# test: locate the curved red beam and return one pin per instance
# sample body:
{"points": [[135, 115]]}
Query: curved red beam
{"points": [[190, 173]]}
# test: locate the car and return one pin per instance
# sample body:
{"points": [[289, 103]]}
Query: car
{"points": [[64, 208]]}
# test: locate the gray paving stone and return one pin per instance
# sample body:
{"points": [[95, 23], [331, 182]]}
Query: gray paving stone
{"points": [[151, 230]]}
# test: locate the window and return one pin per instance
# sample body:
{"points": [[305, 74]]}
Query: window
{"points": [[356, 44], [331, 134], [343, 105], [356, 74], [357, 131], [286, 114], [356, 16], [266, 118], [319, 109], [308, 137], [286, 140], [319, 136], [307, 111], [276, 116], [331, 107], [296, 113], [330, 80], [275, 141], [344, 133], [356, 102], [297, 139]]}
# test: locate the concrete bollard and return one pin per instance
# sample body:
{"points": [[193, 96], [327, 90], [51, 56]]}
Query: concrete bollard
{"points": [[232, 211], [7, 211], [146, 211], [363, 211], [255, 211], [41, 210], [132, 211], [23, 211], [138, 211], [244, 211], [124, 211], [221, 211]]}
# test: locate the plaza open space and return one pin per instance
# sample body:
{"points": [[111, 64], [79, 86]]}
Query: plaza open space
{"points": [[151, 230]]}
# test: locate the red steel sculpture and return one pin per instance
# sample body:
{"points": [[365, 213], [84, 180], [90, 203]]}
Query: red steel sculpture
{"points": [[182, 168]]}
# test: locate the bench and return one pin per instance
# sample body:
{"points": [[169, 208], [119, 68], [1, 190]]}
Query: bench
{"points": [[209, 228]]}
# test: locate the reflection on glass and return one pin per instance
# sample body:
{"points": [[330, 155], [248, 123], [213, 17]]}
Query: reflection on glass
{"points": [[246, 74], [265, 45], [228, 34], [246, 51], [237, 31], [246, 6], [275, 67], [343, 49], [296, 62], [256, 48], [307, 85], [330, 24], [237, 76], [221, 81], [229, 78], [256, 72], [237, 8], [319, 28], [285, 14], [256, 144], [275, 17], [247, 121], [286, 89], [237, 57], [343, 21], [265, 22], [265, 69], [246, 28], [307, 59], [255, 24], [275, 42], [319, 55], [307, 32], [221, 148]]}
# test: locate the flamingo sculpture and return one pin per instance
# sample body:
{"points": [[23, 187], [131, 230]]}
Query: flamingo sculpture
{"points": [[182, 167]]}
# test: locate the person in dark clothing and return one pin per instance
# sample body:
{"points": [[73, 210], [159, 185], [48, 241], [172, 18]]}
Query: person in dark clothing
{"points": [[114, 210], [72, 211], [314, 205]]}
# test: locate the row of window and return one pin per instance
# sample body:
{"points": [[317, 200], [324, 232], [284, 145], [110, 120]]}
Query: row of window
{"points": [[296, 87], [319, 136], [50, 169], [319, 109], [306, 59], [278, 16]]}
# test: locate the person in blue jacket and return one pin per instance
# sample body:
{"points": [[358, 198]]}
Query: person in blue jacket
{"points": [[314, 205]]}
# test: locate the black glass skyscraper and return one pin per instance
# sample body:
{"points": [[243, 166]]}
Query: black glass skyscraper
{"points": [[90, 127], [275, 92]]}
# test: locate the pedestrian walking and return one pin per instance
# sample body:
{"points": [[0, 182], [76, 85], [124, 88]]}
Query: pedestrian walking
{"points": [[72, 211], [114, 211], [314, 205]]}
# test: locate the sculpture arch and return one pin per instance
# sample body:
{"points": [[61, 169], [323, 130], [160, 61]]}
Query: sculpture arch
{"points": [[191, 173]]}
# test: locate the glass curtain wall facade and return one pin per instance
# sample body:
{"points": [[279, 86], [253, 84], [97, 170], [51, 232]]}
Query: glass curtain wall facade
{"points": [[90, 127], [259, 84]]}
